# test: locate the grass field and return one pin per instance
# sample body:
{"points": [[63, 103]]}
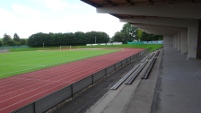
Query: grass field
{"points": [[14, 63], [145, 46], [151, 46], [22, 60]]}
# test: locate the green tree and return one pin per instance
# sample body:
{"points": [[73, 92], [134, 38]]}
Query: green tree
{"points": [[145, 36], [7, 40], [79, 38], [96, 37], [129, 31], [36, 40], [16, 38], [91, 37], [103, 37], [23, 42], [68, 38], [51, 39], [1, 44], [150, 37], [11, 43], [139, 33], [118, 37], [58, 39]]}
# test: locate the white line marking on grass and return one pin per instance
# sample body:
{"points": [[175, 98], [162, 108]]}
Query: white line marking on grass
{"points": [[19, 65], [72, 60], [37, 65], [20, 70], [53, 64]]}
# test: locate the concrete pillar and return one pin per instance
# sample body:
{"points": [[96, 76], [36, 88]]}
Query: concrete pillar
{"points": [[199, 41], [173, 41], [192, 40], [168, 41], [179, 41], [184, 42]]}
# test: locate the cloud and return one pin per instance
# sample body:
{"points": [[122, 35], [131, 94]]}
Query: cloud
{"points": [[26, 11], [21, 20], [55, 16], [60, 5], [103, 22], [90, 22], [6, 22]]}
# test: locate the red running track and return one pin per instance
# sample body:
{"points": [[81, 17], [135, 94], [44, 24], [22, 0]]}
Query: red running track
{"points": [[18, 91]]}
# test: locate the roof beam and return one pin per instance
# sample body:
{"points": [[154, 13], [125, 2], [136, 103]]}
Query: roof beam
{"points": [[91, 3], [161, 27], [163, 21], [190, 10], [150, 2], [159, 31], [171, 1], [110, 2], [162, 30], [130, 2]]}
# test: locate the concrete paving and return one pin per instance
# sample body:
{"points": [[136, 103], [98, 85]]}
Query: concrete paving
{"points": [[180, 84], [174, 86]]}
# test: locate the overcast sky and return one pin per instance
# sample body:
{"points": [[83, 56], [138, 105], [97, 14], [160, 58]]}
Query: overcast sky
{"points": [[26, 17]]}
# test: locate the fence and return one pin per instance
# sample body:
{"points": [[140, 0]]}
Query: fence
{"points": [[55, 98], [11, 47], [146, 42], [114, 43]]}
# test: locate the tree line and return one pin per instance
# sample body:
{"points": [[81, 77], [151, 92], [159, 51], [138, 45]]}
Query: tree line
{"points": [[61, 39], [127, 34], [130, 33], [15, 41]]}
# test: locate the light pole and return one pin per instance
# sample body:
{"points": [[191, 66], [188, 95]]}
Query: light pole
{"points": [[95, 39]]}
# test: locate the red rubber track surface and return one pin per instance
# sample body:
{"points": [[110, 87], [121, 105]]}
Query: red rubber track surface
{"points": [[18, 91]]}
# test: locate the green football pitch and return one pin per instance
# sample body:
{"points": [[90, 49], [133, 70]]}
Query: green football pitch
{"points": [[14, 63]]}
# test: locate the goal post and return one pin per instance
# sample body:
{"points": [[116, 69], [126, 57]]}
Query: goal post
{"points": [[65, 48]]}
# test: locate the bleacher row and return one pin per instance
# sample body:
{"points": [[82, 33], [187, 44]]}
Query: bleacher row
{"points": [[145, 64]]}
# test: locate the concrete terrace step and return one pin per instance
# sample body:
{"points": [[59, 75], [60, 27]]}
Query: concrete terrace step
{"points": [[134, 98]]}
